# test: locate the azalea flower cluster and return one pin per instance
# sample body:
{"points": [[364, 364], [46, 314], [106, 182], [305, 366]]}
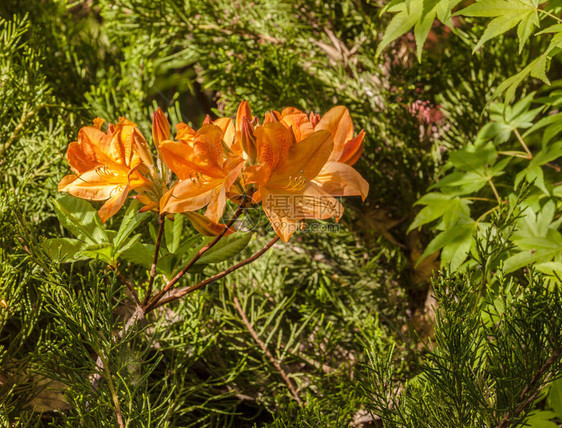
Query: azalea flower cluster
{"points": [[294, 164]]}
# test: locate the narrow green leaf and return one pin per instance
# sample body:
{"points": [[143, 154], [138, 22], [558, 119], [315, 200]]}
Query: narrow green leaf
{"points": [[227, 247], [401, 23], [173, 232], [131, 220], [64, 250]]}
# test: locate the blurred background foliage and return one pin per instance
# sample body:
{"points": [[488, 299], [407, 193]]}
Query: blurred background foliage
{"points": [[346, 315]]}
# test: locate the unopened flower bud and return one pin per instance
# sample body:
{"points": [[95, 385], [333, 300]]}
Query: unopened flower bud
{"points": [[248, 140], [160, 128]]}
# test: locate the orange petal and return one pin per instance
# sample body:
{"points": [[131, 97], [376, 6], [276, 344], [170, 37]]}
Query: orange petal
{"points": [[285, 210], [298, 120], [185, 132], [180, 158], [314, 118], [247, 139], [94, 144], [141, 148], [227, 128], [338, 121], [189, 195], [208, 120], [340, 179], [353, 149], [79, 162], [113, 204], [304, 160], [272, 116], [66, 180], [95, 185], [98, 122], [147, 201], [217, 204], [273, 142], [160, 128], [208, 148]]}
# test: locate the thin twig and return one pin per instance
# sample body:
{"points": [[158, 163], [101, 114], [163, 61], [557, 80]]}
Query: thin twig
{"points": [[499, 199], [520, 138], [130, 286], [161, 220], [182, 292], [550, 14], [266, 351], [152, 303], [538, 375], [114, 396]]}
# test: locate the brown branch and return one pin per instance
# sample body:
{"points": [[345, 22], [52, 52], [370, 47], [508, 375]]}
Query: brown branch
{"points": [[161, 220], [182, 292], [266, 351], [130, 286], [538, 375], [152, 303]]}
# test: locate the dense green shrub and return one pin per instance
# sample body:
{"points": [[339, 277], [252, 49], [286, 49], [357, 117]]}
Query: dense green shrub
{"points": [[346, 315]]}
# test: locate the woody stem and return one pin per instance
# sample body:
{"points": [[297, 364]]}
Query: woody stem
{"points": [[187, 290], [161, 219], [152, 303]]}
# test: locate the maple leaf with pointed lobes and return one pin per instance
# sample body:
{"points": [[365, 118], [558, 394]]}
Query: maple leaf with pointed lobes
{"points": [[507, 14]]}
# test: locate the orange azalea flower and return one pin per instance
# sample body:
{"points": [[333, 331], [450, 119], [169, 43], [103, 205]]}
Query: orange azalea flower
{"points": [[206, 168], [107, 166], [284, 176], [337, 177]]}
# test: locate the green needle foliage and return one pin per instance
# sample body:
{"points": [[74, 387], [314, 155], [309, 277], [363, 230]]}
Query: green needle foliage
{"points": [[340, 328]]}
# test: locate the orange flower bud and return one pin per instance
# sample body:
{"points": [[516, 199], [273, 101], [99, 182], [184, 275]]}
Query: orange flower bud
{"points": [[98, 122], [244, 111], [248, 140], [314, 118], [273, 116], [160, 128]]}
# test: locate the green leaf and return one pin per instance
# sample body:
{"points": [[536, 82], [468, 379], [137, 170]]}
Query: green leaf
{"points": [[80, 218], [440, 205], [541, 419], [102, 252], [537, 239], [64, 250], [555, 397], [416, 14], [226, 248], [139, 253], [507, 14], [131, 220], [470, 157], [455, 241], [127, 245], [173, 232], [409, 13]]}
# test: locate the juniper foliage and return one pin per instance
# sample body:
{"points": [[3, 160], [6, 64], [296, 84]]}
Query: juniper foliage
{"points": [[312, 322]]}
